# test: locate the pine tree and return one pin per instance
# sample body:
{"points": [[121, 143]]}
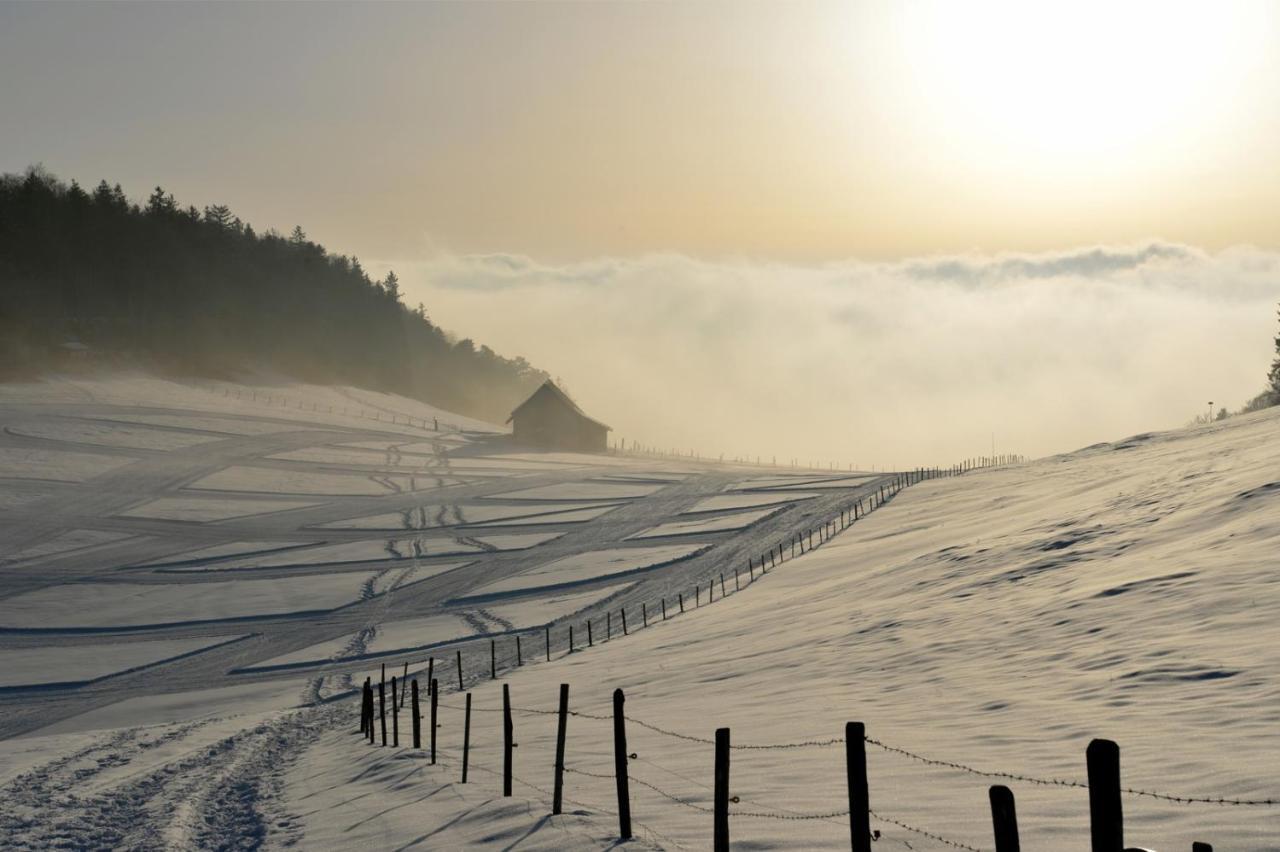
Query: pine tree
{"points": [[392, 285], [1273, 378], [299, 236], [219, 215]]}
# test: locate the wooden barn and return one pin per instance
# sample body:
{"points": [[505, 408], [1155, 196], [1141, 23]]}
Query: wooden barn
{"points": [[550, 419]]}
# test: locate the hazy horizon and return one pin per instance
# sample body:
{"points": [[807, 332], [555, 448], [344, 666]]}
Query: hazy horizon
{"points": [[863, 233]]}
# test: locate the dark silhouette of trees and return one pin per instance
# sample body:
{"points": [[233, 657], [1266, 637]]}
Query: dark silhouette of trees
{"points": [[201, 292]]}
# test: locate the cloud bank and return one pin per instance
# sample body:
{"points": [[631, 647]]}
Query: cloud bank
{"points": [[892, 364]]}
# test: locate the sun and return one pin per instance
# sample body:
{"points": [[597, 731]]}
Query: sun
{"points": [[1083, 88]]}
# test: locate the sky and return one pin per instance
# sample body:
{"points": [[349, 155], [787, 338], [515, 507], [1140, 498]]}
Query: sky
{"points": [[736, 169]]}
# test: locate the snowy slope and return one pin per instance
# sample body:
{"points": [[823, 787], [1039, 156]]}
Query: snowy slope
{"points": [[998, 620]]}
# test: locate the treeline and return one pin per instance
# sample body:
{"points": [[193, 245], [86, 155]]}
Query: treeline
{"points": [[92, 275]]}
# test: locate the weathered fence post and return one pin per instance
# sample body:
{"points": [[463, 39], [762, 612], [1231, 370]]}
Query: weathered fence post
{"points": [[736, 586], [721, 584], [519, 656], [664, 608], [570, 638], [548, 643], [493, 659], [1106, 818], [395, 715], [855, 756], [466, 738], [644, 613], [431, 671], [507, 735], [560, 732], [681, 594], [1004, 819], [624, 621], [620, 766], [460, 670], [590, 642], [382, 709], [435, 697], [722, 791], [416, 719]]}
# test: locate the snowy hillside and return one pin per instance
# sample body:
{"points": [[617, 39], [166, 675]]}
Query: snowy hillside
{"points": [[191, 576]]}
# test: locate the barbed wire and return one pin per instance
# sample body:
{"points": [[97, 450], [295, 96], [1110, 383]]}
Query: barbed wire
{"points": [[954, 844], [1069, 783]]}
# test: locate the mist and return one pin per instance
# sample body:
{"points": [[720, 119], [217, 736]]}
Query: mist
{"points": [[917, 362]]}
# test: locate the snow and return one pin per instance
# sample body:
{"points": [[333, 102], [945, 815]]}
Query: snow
{"points": [[452, 514], [66, 542], [745, 501], [582, 491], [57, 465], [221, 425], [113, 605], [1000, 619], [275, 481], [593, 565], [575, 516], [109, 434], [70, 664], [413, 634], [716, 524], [222, 551], [202, 509]]}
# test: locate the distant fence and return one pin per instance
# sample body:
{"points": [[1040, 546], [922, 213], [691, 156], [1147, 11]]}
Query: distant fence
{"points": [[1102, 756]]}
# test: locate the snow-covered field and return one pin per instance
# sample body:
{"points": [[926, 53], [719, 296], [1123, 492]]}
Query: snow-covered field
{"points": [[997, 620]]}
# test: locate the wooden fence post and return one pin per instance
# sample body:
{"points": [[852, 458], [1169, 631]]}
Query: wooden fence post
{"points": [[435, 697], [624, 621], [382, 709], [548, 643], [1106, 818], [416, 719], [570, 638], [519, 656], [736, 586], [466, 738], [855, 756], [722, 791], [620, 766], [507, 735], [395, 715], [460, 670], [560, 732], [681, 594], [431, 671], [493, 659], [590, 642], [664, 608], [1004, 819], [721, 584], [368, 685]]}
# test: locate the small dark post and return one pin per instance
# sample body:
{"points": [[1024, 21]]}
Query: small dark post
{"points": [[711, 590], [560, 732], [1201, 847], [395, 715], [644, 613], [624, 621], [507, 735], [459, 669], [737, 587], [721, 584], [590, 642], [722, 791], [608, 625], [681, 601], [431, 672], [855, 755], [368, 685], [620, 766], [435, 697], [664, 608], [493, 659], [466, 738], [519, 656], [548, 643], [570, 638], [1003, 819], [416, 719], [366, 717], [1106, 819], [382, 709]]}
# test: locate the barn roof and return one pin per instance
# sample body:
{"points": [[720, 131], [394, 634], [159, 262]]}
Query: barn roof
{"points": [[549, 387]]}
